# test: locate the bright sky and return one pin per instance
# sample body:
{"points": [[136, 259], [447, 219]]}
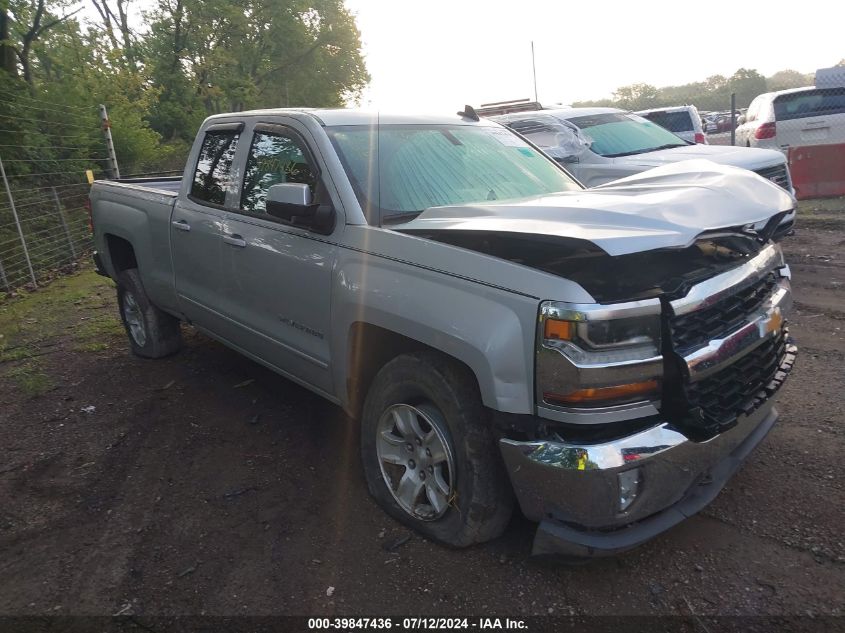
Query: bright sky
{"points": [[438, 55]]}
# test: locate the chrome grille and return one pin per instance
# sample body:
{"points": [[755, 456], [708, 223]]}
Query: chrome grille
{"points": [[713, 403], [701, 326], [776, 174], [741, 388]]}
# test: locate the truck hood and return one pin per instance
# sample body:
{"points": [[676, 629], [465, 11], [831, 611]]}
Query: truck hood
{"points": [[666, 207], [747, 157]]}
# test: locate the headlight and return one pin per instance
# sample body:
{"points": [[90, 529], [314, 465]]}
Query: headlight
{"points": [[607, 341], [599, 355]]}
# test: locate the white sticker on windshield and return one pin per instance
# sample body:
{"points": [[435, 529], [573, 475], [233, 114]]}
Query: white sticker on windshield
{"points": [[506, 137]]}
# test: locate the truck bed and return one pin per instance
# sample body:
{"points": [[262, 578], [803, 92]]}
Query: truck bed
{"points": [[170, 184]]}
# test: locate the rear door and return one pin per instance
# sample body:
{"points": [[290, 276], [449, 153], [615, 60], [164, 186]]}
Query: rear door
{"points": [[278, 276], [197, 223], [810, 117]]}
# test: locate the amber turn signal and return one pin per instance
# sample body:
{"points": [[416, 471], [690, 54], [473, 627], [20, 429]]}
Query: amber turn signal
{"points": [[603, 394], [559, 330]]}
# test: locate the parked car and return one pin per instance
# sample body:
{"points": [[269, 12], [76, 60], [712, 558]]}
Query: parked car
{"points": [[600, 145], [794, 117], [708, 121], [683, 121], [724, 122], [498, 330]]}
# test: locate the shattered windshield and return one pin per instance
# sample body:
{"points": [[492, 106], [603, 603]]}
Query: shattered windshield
{"points": [[398, 171]]}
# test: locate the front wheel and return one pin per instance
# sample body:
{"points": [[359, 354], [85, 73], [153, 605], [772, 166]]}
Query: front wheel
{"points": [[430, 458]]}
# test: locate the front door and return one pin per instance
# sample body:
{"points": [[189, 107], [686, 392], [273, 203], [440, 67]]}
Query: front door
{"points": [[278, 276], [196, 228]]}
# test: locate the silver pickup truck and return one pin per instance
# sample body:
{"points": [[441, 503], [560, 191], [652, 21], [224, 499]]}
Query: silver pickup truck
{"points": [[605, 357]]}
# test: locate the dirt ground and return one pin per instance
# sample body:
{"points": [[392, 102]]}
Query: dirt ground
{"points": [[205, 484]]}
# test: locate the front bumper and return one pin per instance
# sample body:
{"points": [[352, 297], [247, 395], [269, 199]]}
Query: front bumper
{"points": [[573, 490]]}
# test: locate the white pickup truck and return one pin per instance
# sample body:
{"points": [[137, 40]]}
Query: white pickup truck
{"points": [[605, 357]]}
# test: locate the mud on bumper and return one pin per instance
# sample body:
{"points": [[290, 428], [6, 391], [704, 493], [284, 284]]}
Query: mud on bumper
{"points": [[573, 491]]}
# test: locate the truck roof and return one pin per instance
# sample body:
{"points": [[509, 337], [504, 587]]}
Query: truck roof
{"points": [[354, 116]]}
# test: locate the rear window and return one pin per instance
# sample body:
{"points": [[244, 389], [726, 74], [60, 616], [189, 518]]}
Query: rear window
{"points": [[672, 121], [800, 105], [212, 177]]}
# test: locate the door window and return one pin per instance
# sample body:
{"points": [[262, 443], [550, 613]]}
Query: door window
{"points": [[212, 177], [274, 158]]}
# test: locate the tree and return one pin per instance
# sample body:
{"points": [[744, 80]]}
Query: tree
{"points": [[636, 96], [747, 84], [7, 52], [32, 19], [197, 57], [116, 18], [213, 55], [784, 79]]}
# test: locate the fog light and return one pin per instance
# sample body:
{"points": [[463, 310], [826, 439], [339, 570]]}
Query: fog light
{"points": [[629, 487]]}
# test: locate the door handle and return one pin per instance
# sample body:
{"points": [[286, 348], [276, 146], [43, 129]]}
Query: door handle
{"points": [[181, 225], [235, 240]]}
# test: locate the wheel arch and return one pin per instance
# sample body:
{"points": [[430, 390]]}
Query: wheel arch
{"points": [[120, 253], [370, 347]]}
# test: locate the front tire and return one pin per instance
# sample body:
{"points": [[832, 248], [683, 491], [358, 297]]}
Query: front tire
{"points": [[430, 457], [152, 333]]}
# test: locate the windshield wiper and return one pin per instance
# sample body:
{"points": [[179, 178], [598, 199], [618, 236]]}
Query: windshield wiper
{"points": [[645, 151]]}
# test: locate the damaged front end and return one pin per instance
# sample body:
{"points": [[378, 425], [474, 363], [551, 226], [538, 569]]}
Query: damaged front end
{"points": [[645, 408], [649, 398]]}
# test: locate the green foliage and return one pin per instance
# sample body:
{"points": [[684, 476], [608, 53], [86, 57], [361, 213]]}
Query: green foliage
{"points": [[636, 96], [714, 93], [213, 56], [193, 59], [785, 79]]}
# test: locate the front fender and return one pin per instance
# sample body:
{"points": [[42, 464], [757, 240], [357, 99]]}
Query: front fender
{"points": [[491, 330]]}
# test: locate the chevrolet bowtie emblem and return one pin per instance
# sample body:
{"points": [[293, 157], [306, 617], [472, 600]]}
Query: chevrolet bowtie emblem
{"points": [[774, 323]]}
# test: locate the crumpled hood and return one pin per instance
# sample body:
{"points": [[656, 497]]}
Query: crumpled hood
{"points": [[666, 207], [747, 157]]}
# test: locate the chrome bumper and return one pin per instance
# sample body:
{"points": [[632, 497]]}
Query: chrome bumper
{"points": [[574, 490]]}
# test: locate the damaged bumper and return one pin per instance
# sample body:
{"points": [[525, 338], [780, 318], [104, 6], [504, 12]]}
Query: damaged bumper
{"points": [[659, 476]]}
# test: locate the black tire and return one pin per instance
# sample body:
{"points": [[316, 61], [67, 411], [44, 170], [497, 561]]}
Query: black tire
{"points": [[482, 498], [159, 334]]}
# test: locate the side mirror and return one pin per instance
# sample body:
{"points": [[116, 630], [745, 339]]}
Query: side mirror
{"points": [[741, 119], [569, 160], [294, 203], [289, 199]]}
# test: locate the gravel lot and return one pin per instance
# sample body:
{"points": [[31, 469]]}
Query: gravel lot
{"points": [[204, 484]]}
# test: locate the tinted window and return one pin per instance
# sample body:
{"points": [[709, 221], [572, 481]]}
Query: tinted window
{"points": [[799, 105], [212, 176], [273, 159], [672, 121]]}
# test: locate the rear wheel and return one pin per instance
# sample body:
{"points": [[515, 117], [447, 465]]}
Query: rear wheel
{"points": [[152, 333], [430, 458]]}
